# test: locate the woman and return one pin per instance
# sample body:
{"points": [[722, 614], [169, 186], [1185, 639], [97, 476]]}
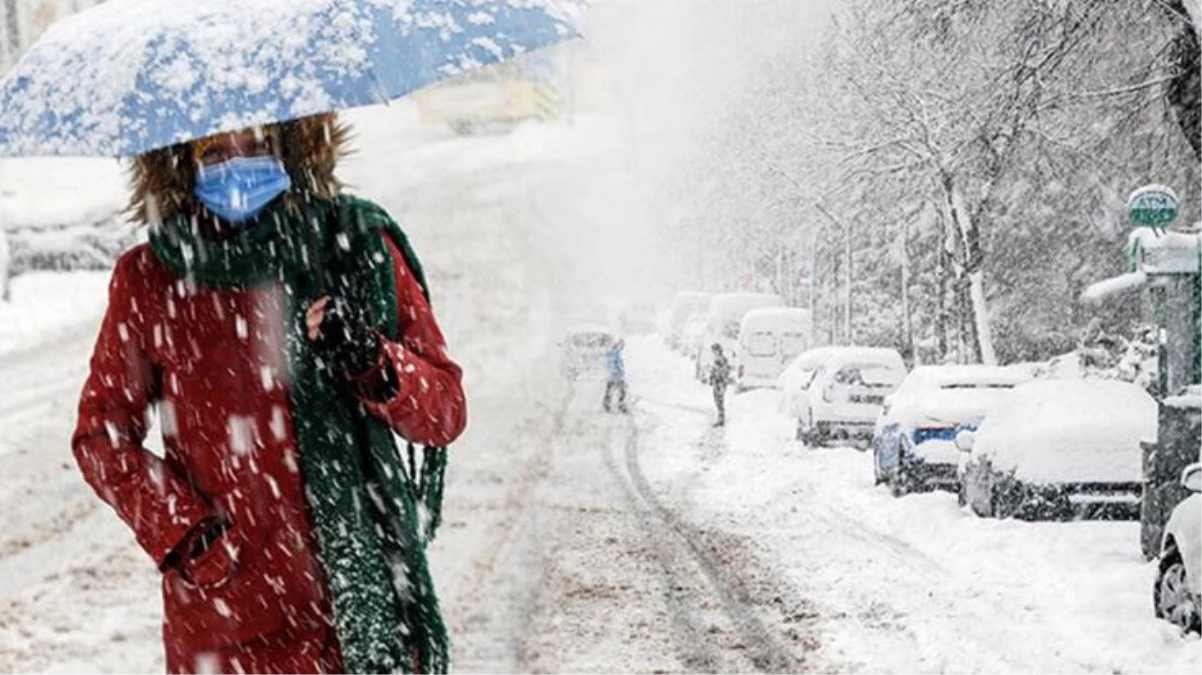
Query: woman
{"points": [[283, 331]]}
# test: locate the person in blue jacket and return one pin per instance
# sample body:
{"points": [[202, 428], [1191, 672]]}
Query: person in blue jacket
{"points": [[616, 381]]}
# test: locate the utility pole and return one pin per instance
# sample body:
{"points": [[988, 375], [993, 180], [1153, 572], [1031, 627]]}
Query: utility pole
{"points": [[847, 334]]}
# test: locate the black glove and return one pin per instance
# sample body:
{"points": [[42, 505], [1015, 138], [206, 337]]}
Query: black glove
{"points": [[345, 340], [206, 538], [197, 542]]}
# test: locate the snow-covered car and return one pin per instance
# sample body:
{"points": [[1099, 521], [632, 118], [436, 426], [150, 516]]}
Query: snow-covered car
{"points": [[769, 339], [1177, 593], [836, 393], [722, 321], [685, 305], [584, 352], [1058, 447], [913, 444]]}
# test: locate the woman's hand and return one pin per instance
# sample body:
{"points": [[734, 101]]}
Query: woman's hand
{"points": [[342, 335], [315, 315]]}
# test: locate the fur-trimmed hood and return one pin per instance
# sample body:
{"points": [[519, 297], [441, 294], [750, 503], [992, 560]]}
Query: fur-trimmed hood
{"points": [[163, 179]]}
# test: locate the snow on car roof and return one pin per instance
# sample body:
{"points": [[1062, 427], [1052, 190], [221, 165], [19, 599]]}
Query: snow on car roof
{"points": [[785, 312], [843, 354], [948, 395], [777, 315], [1057, 430], [589, 328], [970, 375], [739, 303]]}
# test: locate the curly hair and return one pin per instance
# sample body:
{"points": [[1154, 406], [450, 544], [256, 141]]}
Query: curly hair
{"points": [[310, 148]]}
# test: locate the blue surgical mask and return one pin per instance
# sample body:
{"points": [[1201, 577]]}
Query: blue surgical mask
{"points": [[237, 189]]}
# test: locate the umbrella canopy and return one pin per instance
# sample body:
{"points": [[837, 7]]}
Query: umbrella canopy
{"points": [[129, 76]]}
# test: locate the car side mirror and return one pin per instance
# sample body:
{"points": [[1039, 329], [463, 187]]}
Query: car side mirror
{"points": [[965, 439], [1191, 477]]}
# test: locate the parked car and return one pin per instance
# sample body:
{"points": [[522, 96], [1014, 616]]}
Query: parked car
{"points": [[836, 393], [722, 320], [1176, 595], [769, 339], [583, 353], [914, 439], [684, 305], [1057, 448]]}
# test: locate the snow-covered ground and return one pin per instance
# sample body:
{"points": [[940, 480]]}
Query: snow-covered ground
{"points": [[576, 541], [45, 304], [916, 584]]}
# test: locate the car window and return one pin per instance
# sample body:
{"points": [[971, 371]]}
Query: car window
{"points": [[792, 344], [879, 375], [867, 375], [761, 344]]}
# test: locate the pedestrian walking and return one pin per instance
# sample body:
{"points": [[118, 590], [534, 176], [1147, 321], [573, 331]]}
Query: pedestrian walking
{"points": [[719, 379], [283, 330], [616, 381]]}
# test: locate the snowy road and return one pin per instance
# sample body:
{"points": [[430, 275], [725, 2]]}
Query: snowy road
{"points": [[578, 541], [877, 584]]}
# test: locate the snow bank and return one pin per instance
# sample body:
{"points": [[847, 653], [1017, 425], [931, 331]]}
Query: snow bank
{"points": [[1055, 431], [915, 584], [46, 304], [38, 193]]}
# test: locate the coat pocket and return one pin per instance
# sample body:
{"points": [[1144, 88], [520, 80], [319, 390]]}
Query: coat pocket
{"points": [[219, 599]]}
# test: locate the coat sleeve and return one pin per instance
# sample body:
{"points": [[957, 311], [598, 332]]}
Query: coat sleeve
{"points": [[157, 504], [428, 406]]}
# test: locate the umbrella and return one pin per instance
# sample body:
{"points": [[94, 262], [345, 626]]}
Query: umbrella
{"points": [[129, 76]]}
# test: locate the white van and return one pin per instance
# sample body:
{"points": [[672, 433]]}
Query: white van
{"points": [[684, 305], [722, 321], [837, 393], [768, 340]]}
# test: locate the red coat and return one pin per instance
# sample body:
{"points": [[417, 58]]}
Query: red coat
{"points": [[212, 360]]}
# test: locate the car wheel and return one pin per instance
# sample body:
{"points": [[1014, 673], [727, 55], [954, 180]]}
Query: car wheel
{"points": [[1001, 500], [816, 438], [979, 492], [1171, 595]]}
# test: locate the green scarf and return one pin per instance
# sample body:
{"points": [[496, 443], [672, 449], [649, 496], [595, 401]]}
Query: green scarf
{"points": [[364, 500]]}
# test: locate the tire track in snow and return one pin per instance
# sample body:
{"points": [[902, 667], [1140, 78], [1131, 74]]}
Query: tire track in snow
{"points": [[514, 525], [763, 649]]}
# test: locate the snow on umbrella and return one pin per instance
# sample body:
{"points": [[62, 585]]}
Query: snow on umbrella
{"points": [[129, 76]]}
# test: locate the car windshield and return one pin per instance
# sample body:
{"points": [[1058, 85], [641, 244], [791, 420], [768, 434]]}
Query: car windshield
{"points": [[792, 344], [874, 375], [761, 344]]}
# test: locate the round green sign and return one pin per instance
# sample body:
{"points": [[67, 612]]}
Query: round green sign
{"points": [[1152, 206]]}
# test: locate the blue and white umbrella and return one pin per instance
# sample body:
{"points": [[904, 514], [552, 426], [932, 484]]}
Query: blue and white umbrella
{"points": [[129, 76]]}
